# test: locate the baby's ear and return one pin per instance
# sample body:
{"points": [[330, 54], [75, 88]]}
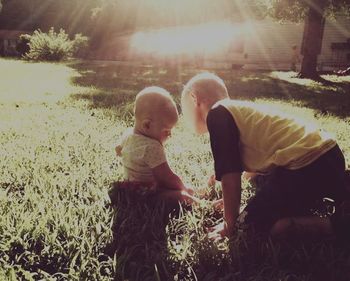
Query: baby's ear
{"points": [[146, 124]]}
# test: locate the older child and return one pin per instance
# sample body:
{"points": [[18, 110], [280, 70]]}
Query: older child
{"points": [[304, 164], [142, 151]]}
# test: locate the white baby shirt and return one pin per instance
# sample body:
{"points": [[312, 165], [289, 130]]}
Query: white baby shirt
{"points": [[140, 154]]}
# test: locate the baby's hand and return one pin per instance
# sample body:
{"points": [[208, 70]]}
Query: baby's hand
{"points": [[211, 181], [218, 204], [189, 199], [118, 150], [248, 176]]}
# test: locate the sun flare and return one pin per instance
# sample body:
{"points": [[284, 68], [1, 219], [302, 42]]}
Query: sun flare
{"points": [[209, 38]]}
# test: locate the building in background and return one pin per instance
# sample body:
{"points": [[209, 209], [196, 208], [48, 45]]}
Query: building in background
{"points": [[268, 44], [263, 44], [9, 40]]}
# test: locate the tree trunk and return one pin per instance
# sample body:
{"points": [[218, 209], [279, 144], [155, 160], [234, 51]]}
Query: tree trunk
{"points": [[312, 40]]}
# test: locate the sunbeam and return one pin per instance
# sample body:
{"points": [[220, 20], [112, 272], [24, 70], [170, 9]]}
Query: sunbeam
{"points": [[209, 38]]}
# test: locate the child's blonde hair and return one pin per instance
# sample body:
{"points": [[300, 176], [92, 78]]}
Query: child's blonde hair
{"points": [[206, 87]]}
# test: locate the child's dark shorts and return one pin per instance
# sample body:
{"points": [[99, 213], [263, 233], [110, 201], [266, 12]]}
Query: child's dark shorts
{"points": [[301, 192], [124, 194], [135, 189]]}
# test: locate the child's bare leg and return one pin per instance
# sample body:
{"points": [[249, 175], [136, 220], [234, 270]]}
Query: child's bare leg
{"points": [[308, 225]]}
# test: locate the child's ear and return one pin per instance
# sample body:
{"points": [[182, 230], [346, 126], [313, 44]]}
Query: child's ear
{"points": [[146, 124], [194, 98]]}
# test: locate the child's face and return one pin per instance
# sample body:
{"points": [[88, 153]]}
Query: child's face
{"points": [[161, 129], [201, 114], [196, 113]]}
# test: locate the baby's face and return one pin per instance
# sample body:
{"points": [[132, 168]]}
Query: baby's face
{"points": [[156, 115], [160, 129]]}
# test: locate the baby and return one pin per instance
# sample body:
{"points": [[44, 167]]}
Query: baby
{"points": [[141, 148]]}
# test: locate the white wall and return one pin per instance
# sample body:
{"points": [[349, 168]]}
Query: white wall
{"points": [[268, 43], [335, 31]]}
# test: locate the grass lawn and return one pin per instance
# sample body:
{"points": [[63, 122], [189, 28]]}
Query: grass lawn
{"points": [[59, 124]]}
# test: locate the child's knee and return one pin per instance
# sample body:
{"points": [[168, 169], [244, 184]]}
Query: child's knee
{"points": [[281, 226]]}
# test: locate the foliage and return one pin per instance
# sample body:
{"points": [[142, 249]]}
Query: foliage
{"points": [[296, 10], [71, 15], [91, 16], [52, 46], [58, 162], [23, 45]]}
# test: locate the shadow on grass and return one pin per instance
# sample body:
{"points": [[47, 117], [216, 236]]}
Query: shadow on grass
{"points": [[295, 259], [109, 81], [139, 234], [141, 245], [333, 99], [114, 85]]}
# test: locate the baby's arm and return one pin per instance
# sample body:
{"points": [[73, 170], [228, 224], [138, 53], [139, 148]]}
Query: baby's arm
{"points": [[168, 180], [118, 150], [178, 195], [119, 146], [249, 175], [121, 141]]}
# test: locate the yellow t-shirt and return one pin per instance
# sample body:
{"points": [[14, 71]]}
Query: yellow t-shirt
{"points": [[269, 139]]}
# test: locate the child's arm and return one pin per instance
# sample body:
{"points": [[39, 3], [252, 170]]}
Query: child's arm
{"points": [[154, 157], [121, 141], [249, 176], [167, 180], [119, 146], [231, 193], [165, 177], [178, 195], [118, 150], [231, 189]]}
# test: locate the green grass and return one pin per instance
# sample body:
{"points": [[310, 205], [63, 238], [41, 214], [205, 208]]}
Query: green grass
{"points": [[59, 124]]}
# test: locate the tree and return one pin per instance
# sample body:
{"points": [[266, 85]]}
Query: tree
{"points": [[72, 15], [312, 40], [314, 13]]}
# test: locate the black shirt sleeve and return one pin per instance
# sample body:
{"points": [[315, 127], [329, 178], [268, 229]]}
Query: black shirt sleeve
{"points": [[224, 141]]}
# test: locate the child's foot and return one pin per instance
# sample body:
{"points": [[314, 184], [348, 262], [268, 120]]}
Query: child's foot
{"points": [[308, 226]]}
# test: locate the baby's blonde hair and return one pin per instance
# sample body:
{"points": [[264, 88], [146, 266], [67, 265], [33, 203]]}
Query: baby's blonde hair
{"points": [[206, 87], [152, 102]]}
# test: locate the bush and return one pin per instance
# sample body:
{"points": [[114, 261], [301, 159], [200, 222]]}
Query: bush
{"points": [[53, 46], [23, 44]]}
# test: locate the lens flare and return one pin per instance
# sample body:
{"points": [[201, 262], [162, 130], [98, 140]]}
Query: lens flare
{"points": [[209, 38]]}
